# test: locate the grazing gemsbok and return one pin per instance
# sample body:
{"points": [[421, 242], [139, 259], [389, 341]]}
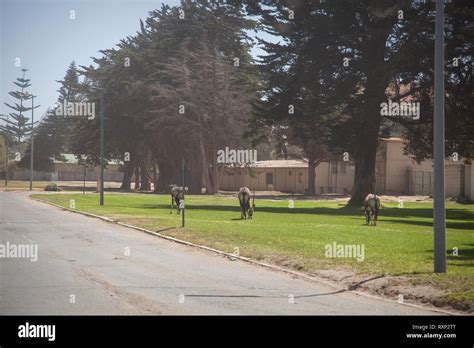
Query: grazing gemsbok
{"points": [[177, 196], [371, 208], [244, 200]]}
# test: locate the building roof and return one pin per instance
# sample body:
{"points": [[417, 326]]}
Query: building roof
{"points": [[72, 159], [281, 164], [392, 139], [68, 158]]}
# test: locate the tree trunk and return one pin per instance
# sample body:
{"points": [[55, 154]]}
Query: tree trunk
{"points": [[213, 179], [137, 175], [365, 157], [127, 176], [155, 176], [162, 177], [378, 78], [364, 179], [144, 179], [311, 176], [208, 167]]}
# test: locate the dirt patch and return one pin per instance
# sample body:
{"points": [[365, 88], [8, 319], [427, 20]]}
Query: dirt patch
{"points": [[396, 288], [285, 261]]}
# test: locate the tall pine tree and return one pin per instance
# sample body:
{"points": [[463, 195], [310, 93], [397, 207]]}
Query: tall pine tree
{"points": [[53, 133], [17, 124]]}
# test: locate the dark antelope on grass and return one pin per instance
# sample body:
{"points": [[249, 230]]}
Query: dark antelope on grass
{"points": [[371, 208], [177, 196], [244, 199]]}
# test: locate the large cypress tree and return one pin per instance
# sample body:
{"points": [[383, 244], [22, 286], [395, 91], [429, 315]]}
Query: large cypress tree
{"points": [[459, 82], [137, 102], [296, 100]]}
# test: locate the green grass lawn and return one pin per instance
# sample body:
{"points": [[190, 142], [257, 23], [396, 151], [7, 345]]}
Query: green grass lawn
{"points": [[401, 243]]}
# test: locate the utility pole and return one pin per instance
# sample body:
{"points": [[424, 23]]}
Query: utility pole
{"points": [[32, 141], [183, 167], [6, 148], [7, 155], [102, 143], [84, 177], [439, 211]]}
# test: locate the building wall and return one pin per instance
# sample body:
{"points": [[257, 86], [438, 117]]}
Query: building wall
{"points": [[334, 178], [329, 179], [470, 186], [75, 172], [24, 175], [396, 173], [397, 177], [70, 172], [453, 175], [381, 167], [469, 182], [292, 180], [397, 164]]}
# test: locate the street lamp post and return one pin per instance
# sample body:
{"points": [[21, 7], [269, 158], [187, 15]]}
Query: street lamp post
{"points": [[7, 155], [32, 141], [6, 148], [439, 211], [84, 177], [102, 143], [183, 168]]}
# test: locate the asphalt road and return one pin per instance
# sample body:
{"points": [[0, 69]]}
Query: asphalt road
{"points": [[82, 268]]}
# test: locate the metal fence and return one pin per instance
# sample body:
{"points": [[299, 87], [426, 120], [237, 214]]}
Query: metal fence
{"points": [[419, 182], [91, 175]]}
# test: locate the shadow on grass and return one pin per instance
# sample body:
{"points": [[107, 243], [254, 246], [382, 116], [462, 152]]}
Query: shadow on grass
{"points": [[450, 224], [452, 213], [276, 210], [465, 255], [465, 216], [78, 189]]}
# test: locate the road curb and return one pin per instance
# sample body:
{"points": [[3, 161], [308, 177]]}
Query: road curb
{"points": [[248, 260]]}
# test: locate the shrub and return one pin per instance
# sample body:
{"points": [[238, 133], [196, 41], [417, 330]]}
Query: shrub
{"points": [[52, 187]]}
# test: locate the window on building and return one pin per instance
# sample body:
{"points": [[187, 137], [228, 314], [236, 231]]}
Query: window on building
{"points": [[343, 168], [269, 178]]}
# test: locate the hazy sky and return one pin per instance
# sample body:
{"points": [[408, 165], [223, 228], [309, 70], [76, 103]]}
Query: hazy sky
{"points": [[42, 34]]}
